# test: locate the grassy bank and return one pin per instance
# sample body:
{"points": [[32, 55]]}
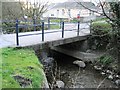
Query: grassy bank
{"points": [[21, 68]]}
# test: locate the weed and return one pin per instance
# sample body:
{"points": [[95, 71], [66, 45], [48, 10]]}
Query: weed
{"points": [[105, 59]]}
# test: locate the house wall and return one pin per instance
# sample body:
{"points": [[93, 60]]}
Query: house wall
{"points": [[66, 13]]}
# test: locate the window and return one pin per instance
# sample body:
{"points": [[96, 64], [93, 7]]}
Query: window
{"points": [[52, 14], [57, 12], [63, 11], [69, 13]]}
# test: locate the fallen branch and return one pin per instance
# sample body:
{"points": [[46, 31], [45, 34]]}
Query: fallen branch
{"points": [[101, 83]]}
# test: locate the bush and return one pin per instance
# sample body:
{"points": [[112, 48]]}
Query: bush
{"points": [[101, 32], [105, 59], [100, 27], [8, 27]]}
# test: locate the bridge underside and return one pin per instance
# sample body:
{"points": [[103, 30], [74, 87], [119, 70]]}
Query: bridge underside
{"points": [[42, 49], [84, 56]]}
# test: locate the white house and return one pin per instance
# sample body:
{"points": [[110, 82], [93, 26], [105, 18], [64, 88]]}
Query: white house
{"points": [[70, 9]]}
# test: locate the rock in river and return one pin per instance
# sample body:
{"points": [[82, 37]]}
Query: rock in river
{"points": [[60, 84], [97, 68], [110, 77], [117, 82], [48, 63], [79, 63]]}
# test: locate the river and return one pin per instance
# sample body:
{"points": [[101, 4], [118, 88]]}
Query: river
{"points": [[75, 77]]}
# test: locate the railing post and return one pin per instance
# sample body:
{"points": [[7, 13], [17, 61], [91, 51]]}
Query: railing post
{"points": [[78, 28], [34, 24], [42, 31], [62, 29], [17, 31]]}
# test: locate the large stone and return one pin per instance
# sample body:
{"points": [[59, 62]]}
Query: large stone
{"points": [[97, 68], [109, 72], [60, 84], [88, 51], [48, 62], [79, 63], [103, 73], [110, 77], [117, 82]]}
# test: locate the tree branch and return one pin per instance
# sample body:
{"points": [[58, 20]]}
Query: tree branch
{"points": [[104, 13], [88, 8]]}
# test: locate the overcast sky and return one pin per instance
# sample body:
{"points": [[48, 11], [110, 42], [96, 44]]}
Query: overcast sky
{"points": [[57, 1], [60, 1], [65, 0]]}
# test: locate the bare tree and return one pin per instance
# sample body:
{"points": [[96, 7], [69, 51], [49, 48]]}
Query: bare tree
{"points": [[22, 10], [35, 10], [11, 10], [113, 17]]}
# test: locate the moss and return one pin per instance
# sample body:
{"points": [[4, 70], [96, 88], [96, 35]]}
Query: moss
{"points": [[18, 62]]}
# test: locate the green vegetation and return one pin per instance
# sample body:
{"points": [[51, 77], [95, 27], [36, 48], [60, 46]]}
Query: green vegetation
{"points": [[75, 20], [105, 59], [20, 62], [100, 19], [26, 23], [55, 20], [100, 27], [101, 31], [54, 26]]}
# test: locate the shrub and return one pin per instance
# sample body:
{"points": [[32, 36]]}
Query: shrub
{"points": [[100, 27], [105, 59], [101, 32]]}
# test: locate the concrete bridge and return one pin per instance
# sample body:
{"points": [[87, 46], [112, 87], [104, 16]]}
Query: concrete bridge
{"points": [[51, 37]]}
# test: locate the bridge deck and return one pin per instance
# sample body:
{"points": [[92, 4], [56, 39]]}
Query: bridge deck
{"points": [[53, 37]]}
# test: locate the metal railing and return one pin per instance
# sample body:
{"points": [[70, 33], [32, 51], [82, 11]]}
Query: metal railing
{"points": [[43, 31]]}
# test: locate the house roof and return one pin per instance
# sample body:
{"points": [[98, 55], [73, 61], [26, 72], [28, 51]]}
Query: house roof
{"points": [[75, 5]]}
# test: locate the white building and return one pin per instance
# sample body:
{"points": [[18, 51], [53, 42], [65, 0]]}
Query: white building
{"points": [[70, 10]]}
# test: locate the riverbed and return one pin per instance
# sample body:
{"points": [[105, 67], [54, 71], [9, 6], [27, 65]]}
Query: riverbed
{"points": [[75, 77]]}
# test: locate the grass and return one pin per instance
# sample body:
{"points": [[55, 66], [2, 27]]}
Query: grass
{"points": [[54, 26], [100, 19], [55, 20], [16, 62]]}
